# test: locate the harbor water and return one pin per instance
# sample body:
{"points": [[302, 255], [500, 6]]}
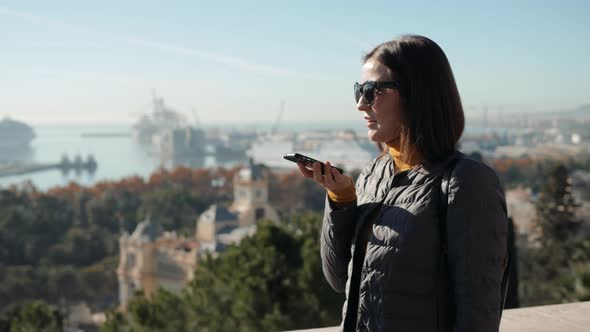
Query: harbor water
{"points": [[118, 156]]}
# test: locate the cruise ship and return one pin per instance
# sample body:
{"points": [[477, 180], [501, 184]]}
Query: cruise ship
{"points": [[343, 149], [15, 137]]}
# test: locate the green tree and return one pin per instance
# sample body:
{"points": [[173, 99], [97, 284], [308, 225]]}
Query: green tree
{"points": [[80, 247], [64, 282], [549, 266], [22, 283], [116, 321], [101, 211], [99, 282], [250, 287], [556, 209], [320, 304], [267, 282], [175, 208], [33, 316], [163, 312]]}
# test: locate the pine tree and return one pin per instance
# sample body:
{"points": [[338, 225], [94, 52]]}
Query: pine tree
{"points": [[31, 316], [549, 267], [556, 209]]}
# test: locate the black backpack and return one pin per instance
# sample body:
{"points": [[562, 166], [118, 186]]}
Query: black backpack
{"points": [[445, 181]]}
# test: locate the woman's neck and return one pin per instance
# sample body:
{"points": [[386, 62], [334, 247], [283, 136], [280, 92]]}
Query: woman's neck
{"points": [[395, 152]]}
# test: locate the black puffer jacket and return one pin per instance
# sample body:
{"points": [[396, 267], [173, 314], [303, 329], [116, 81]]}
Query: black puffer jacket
{"points": [[397, 277]]}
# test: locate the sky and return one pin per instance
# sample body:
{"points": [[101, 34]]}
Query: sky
{"points": [[235, 61]]}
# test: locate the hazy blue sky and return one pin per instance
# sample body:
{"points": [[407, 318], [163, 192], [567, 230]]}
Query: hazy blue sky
{"points": [[77, 61]]}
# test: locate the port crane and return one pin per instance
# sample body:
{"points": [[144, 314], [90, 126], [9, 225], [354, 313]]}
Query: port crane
{"points": [[277, 122]]}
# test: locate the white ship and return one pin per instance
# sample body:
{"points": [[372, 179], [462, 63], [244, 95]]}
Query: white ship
{"points": [[270, 150], [15, 136], [343, 149]]}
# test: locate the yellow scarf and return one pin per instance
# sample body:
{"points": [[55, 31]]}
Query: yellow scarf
{"points": [[348, 194], [395, 153]]}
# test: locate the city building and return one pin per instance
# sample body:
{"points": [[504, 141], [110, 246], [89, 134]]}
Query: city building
{"points": [[221, 226], [521, 209], [151, 258]]}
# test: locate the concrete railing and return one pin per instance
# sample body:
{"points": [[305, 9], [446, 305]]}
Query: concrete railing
{"points": [[569, 317]]}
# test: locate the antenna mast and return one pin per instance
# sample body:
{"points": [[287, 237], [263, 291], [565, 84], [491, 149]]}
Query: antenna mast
{"points": [[275, 126]]}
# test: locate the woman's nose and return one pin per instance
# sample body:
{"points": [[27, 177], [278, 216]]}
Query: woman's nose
{"points": [[362, 105]]}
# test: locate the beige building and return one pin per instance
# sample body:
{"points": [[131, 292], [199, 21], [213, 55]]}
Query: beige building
{"points": [[219, 226], [251, 196], [522, 210], [151, 258]]}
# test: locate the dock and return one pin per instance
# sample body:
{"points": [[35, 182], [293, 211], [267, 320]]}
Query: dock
{"points": [[21, 169], [65, 165]]}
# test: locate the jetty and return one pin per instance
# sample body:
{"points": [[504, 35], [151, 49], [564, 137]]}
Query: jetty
{"points": [[65, 165]]}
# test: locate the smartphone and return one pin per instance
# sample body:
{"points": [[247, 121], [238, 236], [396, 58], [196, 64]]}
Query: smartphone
{"points": [[307, 161]]}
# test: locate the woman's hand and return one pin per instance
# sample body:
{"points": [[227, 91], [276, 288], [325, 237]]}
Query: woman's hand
{"points": [[335, 183]]}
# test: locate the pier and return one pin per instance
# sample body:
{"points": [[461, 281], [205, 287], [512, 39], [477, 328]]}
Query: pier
{"points": [[65, 165]]}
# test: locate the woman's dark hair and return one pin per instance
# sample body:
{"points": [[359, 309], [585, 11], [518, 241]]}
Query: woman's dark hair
{"points": [[432, 116]]}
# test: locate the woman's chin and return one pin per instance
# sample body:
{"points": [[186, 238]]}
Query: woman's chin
{"points": [[373, 135]]}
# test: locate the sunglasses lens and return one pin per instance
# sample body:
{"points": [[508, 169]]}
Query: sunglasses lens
{"points": [[357, 92], [368, 92]]}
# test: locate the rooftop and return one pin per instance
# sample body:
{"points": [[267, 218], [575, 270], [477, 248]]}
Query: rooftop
{"points": [[147, 230]]}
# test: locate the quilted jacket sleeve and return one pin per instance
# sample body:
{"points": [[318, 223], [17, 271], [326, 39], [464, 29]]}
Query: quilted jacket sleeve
{"points": [[336, 240], [476, 234]]}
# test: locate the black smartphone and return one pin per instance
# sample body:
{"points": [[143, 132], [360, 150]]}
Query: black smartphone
{"points": [[307, 161]]}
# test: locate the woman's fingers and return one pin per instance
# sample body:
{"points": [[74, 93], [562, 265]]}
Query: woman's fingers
{"points": [[305, 171], [317, 174], [332, 180], [328, 178], [339, 177]]}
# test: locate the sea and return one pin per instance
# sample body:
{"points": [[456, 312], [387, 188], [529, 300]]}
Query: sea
{"points": [[119, 156]]}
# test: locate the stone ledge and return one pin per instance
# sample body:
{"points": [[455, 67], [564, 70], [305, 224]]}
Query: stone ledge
{"points": [[570, 317]]}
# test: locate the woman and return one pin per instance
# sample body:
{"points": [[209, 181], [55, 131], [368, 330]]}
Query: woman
{"points": [[403, 264]]}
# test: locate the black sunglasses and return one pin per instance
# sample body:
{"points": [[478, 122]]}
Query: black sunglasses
{"points": [[367, 89]]}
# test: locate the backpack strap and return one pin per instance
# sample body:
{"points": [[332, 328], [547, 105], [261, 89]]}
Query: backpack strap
{"points": [[505, 280], [444, 202], [442, 231]]}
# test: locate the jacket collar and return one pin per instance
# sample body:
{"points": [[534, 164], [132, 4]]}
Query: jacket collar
{"points": [[436, 167]]}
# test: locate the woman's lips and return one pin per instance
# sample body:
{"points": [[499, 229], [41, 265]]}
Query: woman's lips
{"points": [[371, 123]]}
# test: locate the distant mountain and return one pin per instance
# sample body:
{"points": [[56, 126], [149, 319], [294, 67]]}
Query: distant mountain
{"points": [[582, 110]]}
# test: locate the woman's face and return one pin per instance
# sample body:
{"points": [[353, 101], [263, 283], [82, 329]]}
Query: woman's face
{"points": [[384, 115]]}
